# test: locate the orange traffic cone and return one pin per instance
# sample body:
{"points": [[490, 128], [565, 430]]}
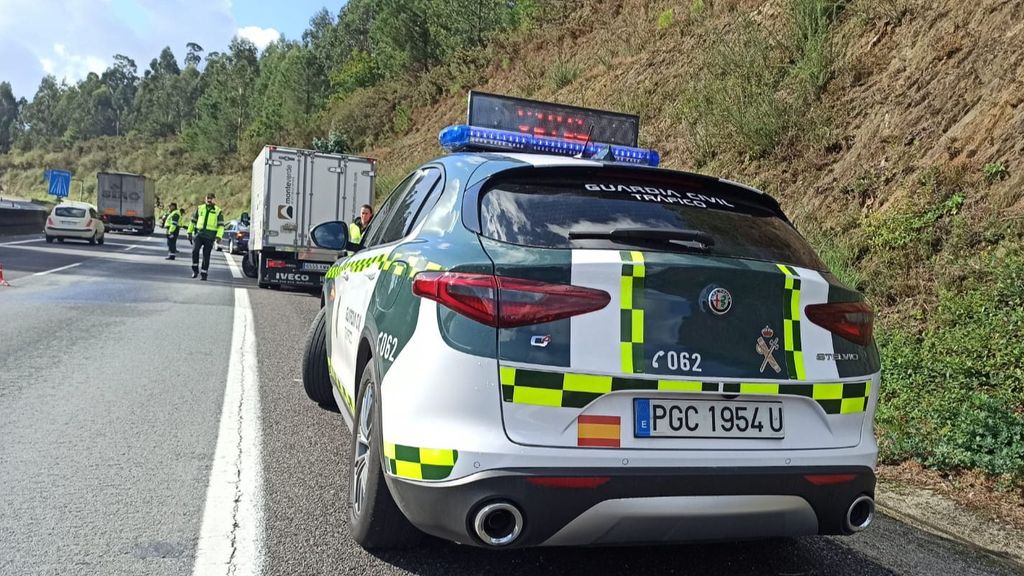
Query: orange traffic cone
{"points": [[2, 281]]}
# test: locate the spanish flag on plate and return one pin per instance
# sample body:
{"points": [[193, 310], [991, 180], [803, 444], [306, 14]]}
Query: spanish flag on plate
{"points": [[598, 431]]}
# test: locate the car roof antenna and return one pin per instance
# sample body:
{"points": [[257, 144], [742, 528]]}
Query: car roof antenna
{"points": [[587, 143]]}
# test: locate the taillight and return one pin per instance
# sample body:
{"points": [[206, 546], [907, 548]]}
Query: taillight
{"points": [[851, 320], [88, 222], [504, 302], [49, 221], [276, 264]]}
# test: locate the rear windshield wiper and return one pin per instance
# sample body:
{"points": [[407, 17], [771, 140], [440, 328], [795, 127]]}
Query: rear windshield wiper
{"points": [[694, 239]]}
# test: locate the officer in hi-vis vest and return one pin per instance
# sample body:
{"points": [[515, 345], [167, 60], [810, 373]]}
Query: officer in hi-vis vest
{"points": [[208, 227], [173, 225], [358, 226]]}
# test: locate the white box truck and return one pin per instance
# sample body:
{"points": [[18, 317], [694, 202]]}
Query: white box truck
{"points": [[294, 190], [126, 202]]}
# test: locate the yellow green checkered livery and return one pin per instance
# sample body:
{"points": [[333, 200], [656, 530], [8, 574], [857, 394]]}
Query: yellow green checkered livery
{"points": [[420, 463], [384, 262], [791, 324], [567, 390], [631, 311], [341, 389]]}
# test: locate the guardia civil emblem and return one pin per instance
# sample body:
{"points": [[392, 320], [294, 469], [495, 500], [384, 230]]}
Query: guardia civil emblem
{"points": [[766, 345]]}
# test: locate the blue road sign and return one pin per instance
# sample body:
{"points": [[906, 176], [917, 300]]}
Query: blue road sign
{"points": [[60, 182]]}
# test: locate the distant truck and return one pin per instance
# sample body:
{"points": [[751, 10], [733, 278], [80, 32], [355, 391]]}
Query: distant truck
{"points": [[126, 202], [293, 190]]}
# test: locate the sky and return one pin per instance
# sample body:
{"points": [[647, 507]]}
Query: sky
{"points": [[70, 38]]}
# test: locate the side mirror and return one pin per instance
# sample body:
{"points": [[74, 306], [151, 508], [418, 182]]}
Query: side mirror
{"points": [[331, 235], [245, 218]]}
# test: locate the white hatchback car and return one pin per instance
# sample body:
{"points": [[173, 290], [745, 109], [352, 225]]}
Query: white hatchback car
{"points": [[77, 220]]}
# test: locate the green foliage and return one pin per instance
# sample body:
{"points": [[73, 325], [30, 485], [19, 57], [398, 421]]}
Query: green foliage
{"points": [[334, 143], [995, 172], [9, 107], [697, 9], [814, 50], [564, 72], [665, 19], [734, 102], [953, 397]]}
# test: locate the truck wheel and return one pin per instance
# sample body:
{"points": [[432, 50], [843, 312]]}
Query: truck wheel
{"points": [[315, 377], [374, 518], [249, 267]]}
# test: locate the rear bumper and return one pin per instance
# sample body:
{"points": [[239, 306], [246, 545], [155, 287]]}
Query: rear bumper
{"points": [[641, 506], [69, 232]]}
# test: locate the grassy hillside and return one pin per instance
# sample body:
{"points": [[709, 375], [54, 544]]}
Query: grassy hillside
{"points": [[21, 173], [889, 130]]}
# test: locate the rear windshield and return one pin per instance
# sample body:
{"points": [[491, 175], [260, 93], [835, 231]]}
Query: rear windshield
{"points": [[68, 212], [541, 212]]}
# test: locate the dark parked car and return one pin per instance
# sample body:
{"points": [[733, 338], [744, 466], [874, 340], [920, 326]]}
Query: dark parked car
{"points": [[236, 238]]}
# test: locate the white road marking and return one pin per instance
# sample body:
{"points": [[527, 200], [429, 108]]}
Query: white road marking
{"points": [[231, 536], [130, 247], [21, 242], [236, 272], [45, 272]]}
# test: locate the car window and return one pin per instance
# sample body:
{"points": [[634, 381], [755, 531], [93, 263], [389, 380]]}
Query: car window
{"points": [[407, 207], [69, 212], [372, 237], [542, 211]]}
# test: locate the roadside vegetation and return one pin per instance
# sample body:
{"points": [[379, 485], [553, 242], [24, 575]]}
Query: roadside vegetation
{"points": [[903, 170]]}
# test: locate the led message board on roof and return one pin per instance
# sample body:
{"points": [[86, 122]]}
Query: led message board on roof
{"points": [[552, 120]]}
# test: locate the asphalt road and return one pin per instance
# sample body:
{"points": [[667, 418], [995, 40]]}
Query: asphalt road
{"points": [[113, 364]]}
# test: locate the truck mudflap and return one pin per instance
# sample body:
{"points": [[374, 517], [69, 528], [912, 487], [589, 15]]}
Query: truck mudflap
{"points": [[285, 271]]}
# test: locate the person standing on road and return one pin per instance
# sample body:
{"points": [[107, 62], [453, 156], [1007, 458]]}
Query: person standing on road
{"points": [[173, 225], [208, 227], [358, 226]]}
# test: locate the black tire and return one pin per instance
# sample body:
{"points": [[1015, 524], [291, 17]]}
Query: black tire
{"points": [[249, 267], [49, 239], [315, 377], [263, 285], [376, 522], [92, 241], [61, 240], [101, 239]]}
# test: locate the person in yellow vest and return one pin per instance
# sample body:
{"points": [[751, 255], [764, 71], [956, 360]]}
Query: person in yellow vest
{"points": [[358, 226], [208, 227], [173, 225]]}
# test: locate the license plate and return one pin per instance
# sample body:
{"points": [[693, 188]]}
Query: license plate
{"points": [[666, 418], [315, 266], [70, 223]]}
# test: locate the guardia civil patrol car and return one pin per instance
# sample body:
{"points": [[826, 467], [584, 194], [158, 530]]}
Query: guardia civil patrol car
{"points": [[545, 340]]}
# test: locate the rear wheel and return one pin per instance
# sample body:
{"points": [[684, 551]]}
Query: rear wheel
{"points": [[374, 517], [49, 239], [316, 378], [249, 267], [92, 241], [61, 240], [101, 239]]}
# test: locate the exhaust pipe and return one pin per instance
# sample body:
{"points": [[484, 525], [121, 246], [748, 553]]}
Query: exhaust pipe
{"points": [[498, 523], [860, 514]]}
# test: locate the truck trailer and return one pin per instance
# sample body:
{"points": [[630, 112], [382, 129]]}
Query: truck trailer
{"points": [[293, 190], [126, 202]]}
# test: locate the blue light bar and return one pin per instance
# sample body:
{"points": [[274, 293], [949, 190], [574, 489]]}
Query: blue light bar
{"points": [[462, 137]]}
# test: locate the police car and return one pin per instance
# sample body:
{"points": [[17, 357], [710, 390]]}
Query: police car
{"points": [[546, 340]]}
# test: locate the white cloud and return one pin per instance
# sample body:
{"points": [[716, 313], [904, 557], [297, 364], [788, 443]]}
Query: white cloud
{"points": [[261, 37], [70, 38]]}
